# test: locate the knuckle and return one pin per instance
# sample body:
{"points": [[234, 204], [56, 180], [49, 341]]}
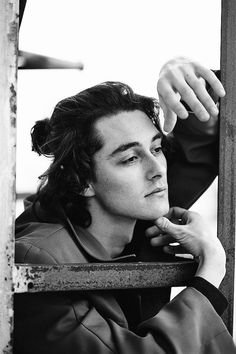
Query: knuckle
{"points": [[168, 95], [185, 92], [208, 102], [175, 104], [197, 107], [197, 85], [178, 108], [151, 231], [165, 224]]}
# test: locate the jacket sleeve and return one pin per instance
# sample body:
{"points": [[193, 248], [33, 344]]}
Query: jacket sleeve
{"points": [[59, 324], [192, 157], [193, 163]]}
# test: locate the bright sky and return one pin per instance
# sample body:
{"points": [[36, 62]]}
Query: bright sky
{"points": [[122, 39]]}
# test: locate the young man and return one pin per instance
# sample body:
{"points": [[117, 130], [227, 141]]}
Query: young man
{"points": [[109, 170]]}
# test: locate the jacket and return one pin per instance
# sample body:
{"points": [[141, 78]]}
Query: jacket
{"points": [[105, 321]]}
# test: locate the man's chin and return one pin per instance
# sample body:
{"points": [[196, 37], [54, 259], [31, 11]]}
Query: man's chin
{"points": [[155, 214]]}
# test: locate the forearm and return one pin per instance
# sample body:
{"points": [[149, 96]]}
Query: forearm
{"points": [[212, 263]]}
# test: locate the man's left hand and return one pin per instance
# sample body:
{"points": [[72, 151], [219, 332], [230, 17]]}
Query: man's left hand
{"points": [[182, 79]]}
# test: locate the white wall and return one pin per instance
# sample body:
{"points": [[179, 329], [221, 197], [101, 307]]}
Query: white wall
{"points": [[126, 40]]}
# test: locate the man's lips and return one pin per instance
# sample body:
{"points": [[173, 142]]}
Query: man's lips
{"points": [[155, 191]]}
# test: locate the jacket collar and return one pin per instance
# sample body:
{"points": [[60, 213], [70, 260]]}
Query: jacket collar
{"points": [[88, 244], [95, 249]]}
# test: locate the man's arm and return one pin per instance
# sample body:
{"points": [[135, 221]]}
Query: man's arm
{"points": [[191, 91], [57, 324], [192, 158]]}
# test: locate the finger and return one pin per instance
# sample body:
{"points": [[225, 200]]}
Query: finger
{"points": [[168, 227], [171, 99], [170, 121], [161, 240], [199, 87], [187, 94], [212, 80], [170, 118], [182, 217], [153, 231], [177, 213]]}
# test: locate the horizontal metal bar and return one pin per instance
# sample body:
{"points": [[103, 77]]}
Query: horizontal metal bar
{"points": [[100, 276], [28, 60]]}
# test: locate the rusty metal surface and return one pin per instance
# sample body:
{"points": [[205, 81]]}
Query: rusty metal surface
{"points": [[227, 167], [8, 65], [97, 276]]}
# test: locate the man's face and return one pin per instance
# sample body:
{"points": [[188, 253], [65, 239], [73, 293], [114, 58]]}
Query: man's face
{"points": [[130, 168]]}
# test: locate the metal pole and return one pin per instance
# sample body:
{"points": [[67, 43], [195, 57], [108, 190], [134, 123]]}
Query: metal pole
{"points": [[8, 65], [227, 164]]}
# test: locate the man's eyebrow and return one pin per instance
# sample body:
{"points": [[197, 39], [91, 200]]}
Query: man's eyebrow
{"points": [[123, 148], [157, 136], [128, 146]]}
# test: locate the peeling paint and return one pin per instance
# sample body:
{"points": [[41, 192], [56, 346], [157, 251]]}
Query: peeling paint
{"points": [[13, 105], [8, 70], [13, 31], [231, 132], [97, 276]]}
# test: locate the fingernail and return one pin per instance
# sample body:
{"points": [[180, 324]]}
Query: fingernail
{"points": [[166, 128], [183, 114], [204, 116], [160, 221], [222, 92]]}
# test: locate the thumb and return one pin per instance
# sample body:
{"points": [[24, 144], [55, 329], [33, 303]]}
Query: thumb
{"points": [[168, 227]]}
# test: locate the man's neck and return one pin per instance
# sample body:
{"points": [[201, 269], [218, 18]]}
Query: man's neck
{"points": [[114, 233]]}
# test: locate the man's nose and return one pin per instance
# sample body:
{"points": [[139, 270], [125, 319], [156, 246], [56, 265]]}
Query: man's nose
{"points": [[155, 167]]}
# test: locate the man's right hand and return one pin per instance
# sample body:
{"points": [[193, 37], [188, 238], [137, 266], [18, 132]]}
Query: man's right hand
{"points": [[194, 237]]}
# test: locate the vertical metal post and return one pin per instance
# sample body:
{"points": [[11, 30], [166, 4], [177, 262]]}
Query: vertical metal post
{"points": [[8, 72], [227, 166]]}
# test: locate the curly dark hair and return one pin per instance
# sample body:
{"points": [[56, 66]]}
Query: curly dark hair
{"points": [[70, 139]]}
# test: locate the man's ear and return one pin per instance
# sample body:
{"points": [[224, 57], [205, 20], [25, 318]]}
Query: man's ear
{"points": [[88, 191]]}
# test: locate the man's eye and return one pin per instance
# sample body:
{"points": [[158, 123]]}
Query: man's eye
{"points": [[157, 150], [130, 160]]}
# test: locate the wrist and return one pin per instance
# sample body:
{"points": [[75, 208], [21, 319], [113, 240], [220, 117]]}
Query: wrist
{"points": [[212, 266]]}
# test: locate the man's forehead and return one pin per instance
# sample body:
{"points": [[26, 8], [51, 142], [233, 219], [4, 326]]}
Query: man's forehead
{"points": [[126, 129], [125, 124]]}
